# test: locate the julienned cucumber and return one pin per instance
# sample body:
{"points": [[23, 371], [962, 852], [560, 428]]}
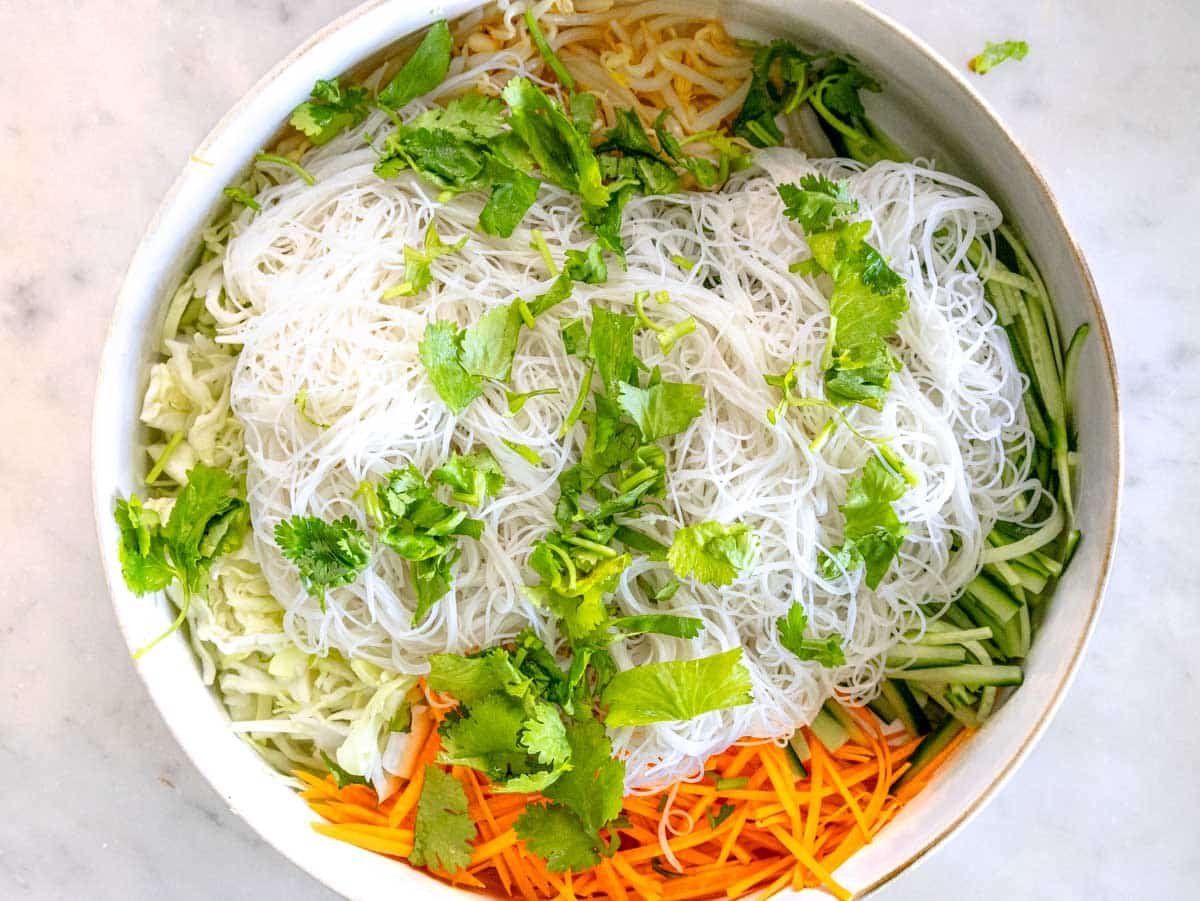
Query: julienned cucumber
{"points": [[933, 745], [973, 675], [828, 730], [917, 655]]}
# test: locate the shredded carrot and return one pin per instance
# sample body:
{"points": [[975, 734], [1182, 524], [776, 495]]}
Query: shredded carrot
{"points": [[770, 832]]}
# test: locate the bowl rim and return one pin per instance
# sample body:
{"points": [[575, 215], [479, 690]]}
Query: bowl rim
{"points": [[130, 298]]}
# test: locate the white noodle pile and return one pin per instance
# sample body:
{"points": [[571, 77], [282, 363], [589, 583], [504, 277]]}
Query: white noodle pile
{"points": [[303, 287]]}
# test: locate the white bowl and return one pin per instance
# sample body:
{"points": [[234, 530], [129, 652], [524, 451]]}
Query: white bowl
{"points": [[927, 107]]}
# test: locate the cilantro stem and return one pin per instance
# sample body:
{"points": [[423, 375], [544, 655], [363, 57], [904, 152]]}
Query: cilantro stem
{"points": [[156, 470], [896, 462], [538, 243], [823, 436], [526, 453], [576, 410], [602, 549], [667, 339], [175, 625], [526, 314], [639, 306], [289, 163], [834, 122], [644, 474], [547, 53]]}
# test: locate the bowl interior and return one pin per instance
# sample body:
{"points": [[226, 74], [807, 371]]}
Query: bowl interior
{"points": [[929, 109]]}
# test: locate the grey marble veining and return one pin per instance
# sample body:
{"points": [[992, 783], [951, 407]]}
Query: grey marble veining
{"points": [[104, 101]]}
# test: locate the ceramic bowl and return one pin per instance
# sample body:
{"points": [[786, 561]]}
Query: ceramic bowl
{"points": [[928, 107]]}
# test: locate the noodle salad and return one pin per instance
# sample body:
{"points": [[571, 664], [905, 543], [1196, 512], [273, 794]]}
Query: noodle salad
{"points": [[590, 459]]}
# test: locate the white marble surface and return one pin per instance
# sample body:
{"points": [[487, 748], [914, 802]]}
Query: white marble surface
{"points": [[103, 102]]}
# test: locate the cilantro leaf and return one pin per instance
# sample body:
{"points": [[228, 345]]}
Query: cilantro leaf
{"points": [[423, 71], [577, 598], [611, 346], [545, 737], [327, 554], [468, 678], [586, 266], [993, 55], [242, 196], [443, 830], [867, 302], [471, 117], [556, 834], [873, 532], [421, 529], [564, 156], [779, 72], [441, 352], [659, 624], [206, 522], [490, 343], [471, 477], [677, 689], [488, 738], [663, 409], [329, 111], [594, 788], [817, 202], [142, 552], [513, 193], [418, 273], [712, 552], [827, 652]]}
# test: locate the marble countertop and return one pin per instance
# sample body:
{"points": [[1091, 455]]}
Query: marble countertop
{"points": [[104, 102]]}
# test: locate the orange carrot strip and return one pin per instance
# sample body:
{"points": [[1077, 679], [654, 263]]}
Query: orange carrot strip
{"points": [[494, 846], [738, 822], [909, 789], [643, 885], [816, 768], [397, 843], [809, 861], [766, 871], [607, 877]]}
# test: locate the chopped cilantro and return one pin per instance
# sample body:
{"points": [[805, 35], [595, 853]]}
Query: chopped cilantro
{"points": [[677, 689], [867, 302], [471, 477], [713, 552], [827, 652], [516, 401], [873, 532], [441, 352], [330, 110], [663, 409], [242, 196], [418, 273], [422, 529], [817, 203], [207, 520], [524, 451], [593, 788], [993, 55], [423, 71], [547, 53], [611, 346], [341, 776], [489, 344], [327, 554], [443, 830], [553, 832]]}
